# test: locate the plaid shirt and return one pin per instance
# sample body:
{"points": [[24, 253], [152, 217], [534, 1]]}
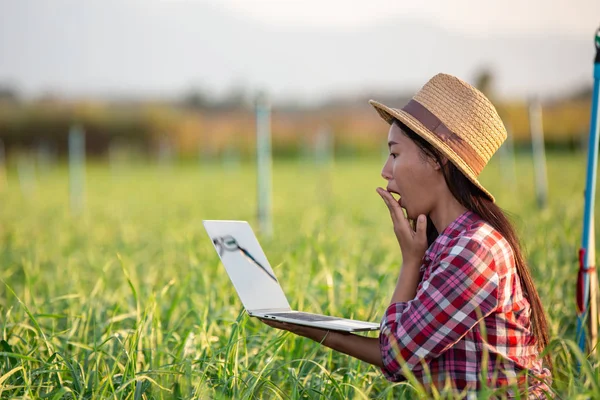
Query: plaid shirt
{"points": [[469, 316]]}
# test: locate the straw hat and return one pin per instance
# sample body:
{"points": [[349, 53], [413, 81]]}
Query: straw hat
{"points": [[456, 119]]}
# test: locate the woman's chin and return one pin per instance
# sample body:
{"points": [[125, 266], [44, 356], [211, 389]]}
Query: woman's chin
{"points": [[403, 205], [410, 215]]}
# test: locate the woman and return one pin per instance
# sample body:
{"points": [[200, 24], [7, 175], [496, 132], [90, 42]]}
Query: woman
{"points": [[464, 302]]}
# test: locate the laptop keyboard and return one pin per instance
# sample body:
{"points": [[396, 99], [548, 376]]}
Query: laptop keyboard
{"points": [[305, 316]]}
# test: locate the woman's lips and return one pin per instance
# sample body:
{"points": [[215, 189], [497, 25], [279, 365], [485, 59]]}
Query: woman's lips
{"points": [[393, 192]]}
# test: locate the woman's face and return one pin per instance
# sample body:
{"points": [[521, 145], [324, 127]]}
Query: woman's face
{"points": [[411, 174]]}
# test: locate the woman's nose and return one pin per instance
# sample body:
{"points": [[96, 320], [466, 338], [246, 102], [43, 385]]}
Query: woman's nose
{"points": [[386, 172]]}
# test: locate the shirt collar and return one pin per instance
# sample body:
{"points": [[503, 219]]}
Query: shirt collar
{"points": [[460, 224]]}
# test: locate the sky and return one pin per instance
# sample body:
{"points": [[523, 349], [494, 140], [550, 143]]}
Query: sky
{"points": [[570, 17], [307, 50]]}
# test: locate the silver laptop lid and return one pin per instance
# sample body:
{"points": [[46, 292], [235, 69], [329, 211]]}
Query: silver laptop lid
{"points": [[246, 265]]}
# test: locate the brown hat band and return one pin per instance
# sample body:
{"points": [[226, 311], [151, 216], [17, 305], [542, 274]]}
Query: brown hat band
{"points": [[451, 139]]}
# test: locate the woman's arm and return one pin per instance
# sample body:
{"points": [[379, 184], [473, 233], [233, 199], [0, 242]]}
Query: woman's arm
{"points": [[361, 347], [461, 290], [413, 244], [408, 281]]}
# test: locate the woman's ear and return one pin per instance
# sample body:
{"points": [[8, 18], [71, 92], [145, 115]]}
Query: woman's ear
{"points": [[439, 163]]}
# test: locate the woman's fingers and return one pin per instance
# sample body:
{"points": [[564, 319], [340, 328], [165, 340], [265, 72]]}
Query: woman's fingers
{"points": [[391, 203], [276, 324], [413, 242], [315, 334], [398, 218], [421, 231]]}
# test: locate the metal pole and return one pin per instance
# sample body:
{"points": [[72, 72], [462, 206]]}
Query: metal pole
{"points": [[324, 146], [507, 159], [3, 177], [264, 163], [76, 168], [587, 294], [26, 173], [539, 153]]}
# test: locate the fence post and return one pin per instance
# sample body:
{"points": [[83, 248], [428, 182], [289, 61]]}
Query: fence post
{"points": [[3, 174], [507, 159], [324, 146], [76, 169], [539, 152], [264, 164]]}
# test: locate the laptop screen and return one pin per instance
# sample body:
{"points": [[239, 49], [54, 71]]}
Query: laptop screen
{"points": [[246, 265]]}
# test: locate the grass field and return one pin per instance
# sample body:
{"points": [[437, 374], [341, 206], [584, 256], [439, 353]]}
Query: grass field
{"points": [[129, 301]]}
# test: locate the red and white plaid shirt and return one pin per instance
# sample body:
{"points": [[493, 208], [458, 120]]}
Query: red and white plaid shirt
{"points": [[469, 316]]}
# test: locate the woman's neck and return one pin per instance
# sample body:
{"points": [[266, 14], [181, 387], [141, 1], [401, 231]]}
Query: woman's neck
{"points": [[446, 211]]}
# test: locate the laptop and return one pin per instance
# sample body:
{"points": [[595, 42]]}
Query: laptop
{"points": [[256, 284]]}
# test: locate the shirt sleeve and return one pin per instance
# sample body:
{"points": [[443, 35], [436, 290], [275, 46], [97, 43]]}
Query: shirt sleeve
{"points": [[461, 290]]}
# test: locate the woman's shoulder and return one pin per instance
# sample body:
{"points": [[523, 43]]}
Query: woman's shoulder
{"points": [[475, 250], [478, 235]]}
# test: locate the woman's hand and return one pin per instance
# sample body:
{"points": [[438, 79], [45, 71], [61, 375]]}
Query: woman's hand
{"points": [[316, 334], [413, 244], [362, 347]]}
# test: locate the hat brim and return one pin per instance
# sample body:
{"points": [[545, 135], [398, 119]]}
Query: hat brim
{"points": [[390, 114]]}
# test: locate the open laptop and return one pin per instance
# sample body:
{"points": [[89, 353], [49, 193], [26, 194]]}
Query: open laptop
{"points": [[256, 284]]}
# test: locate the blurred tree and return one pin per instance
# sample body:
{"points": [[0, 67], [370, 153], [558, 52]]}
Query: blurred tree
{"points": [[582, 93], [484, 81], [196, 99], [236, 98], [8, 93]]}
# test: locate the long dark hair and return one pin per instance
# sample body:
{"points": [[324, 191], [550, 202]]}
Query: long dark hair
{"points": [[475, 200]]}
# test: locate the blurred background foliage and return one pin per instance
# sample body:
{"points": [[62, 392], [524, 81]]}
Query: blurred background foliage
{"points": [[200, 125]]}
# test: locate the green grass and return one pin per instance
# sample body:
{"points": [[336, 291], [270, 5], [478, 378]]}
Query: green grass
{"points": [[128, 300]]}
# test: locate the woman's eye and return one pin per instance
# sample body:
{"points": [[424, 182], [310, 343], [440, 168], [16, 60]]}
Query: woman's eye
{"points": [[393, 155]]}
